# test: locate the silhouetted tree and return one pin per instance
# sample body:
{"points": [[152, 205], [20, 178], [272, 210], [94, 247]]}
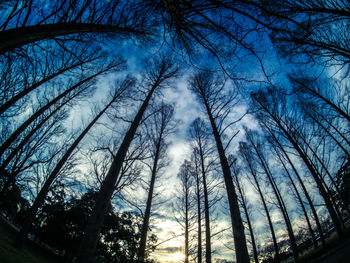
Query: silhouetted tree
{"points": [[199, 134], [159, 73], [211, 93], [158, 128], [116, 95]]}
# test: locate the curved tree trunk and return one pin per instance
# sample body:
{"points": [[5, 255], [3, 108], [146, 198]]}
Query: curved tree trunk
{"points": [[15, 38]]}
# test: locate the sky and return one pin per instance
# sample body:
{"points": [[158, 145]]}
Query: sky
{"points": [[242, 65], [187, 109]]}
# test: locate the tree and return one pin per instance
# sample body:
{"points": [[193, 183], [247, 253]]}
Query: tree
{"points": [[210, 91], [247, 157], [116, 95], [158, 129], [281, 204], [271, 112], [185, 202], [244, 205], [40, 66], [62, 227], [81, 85], [200, 136], [160, 72]]}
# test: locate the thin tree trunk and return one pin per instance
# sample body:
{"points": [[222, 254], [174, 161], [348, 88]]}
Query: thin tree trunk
{"points": [[324, 99], [278, 197], [274, 240], [306, 193], [186, 226], [39, 200], [251, 232], [241, 250], [330, 135], [300, 202], [144, 230], [199, 220], [206, 207], [337, 190]]}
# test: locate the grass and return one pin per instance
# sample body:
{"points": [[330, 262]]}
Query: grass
{"points": [[30, 253]]}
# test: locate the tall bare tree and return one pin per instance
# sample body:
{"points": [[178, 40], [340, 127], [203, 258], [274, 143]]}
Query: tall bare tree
{"points": [[185, 202], [200, 136], [245, 206], [217, 104], [156, 76], [158, 129], [267, 104], [247, 157]]}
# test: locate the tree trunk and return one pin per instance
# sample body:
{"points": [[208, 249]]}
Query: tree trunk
{"points": [[144, 230], [17, 37], [199, 220], [330, 134], [306, 193], [244, 205], [274, 240], [89, 242], [39, 200], [300, 202], [237, 225], [279, 199], [323, 192], [186, 226], [324, 99], [206, 207], [35, 129]]}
